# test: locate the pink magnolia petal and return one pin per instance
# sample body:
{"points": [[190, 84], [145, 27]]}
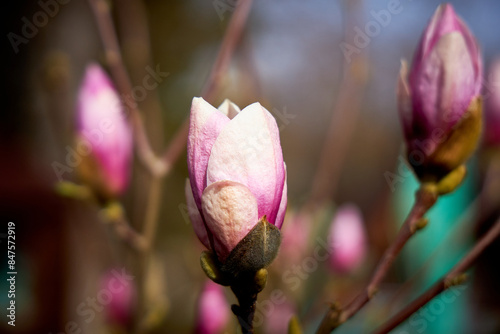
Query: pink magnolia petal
{"points": [[475, 54], [279, 165], [205, 124], [445, 76], [280, 217], [195, 216], [230, 211], [447, 84], [248, 151], [444, 21]]}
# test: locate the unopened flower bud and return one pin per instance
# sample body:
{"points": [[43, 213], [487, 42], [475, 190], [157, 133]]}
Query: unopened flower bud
{"points": [[104, 135], [213, 310], [439, 103], [121, 298], [347, 239], [237, 176], [294, 239]]}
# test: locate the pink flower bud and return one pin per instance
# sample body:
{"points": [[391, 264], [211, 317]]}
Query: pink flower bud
{"points": [[119, 298], [213, 310], [236, 172], [278, 317], [103, 129], [347, 239], [444, 79], [492, 112], [294, 239]]}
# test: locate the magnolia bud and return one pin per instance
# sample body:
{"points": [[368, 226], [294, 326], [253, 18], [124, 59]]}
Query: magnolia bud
{"points": [[294, 240], [121, 294], [347, 239], [213, 310], [439, 103], [237, 179], [105, 133]]}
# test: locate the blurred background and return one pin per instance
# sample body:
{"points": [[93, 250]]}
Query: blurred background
{"points": [[341, 140]]}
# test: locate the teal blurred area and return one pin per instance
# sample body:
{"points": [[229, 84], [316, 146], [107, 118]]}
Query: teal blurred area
{"points": [[434, 250]]}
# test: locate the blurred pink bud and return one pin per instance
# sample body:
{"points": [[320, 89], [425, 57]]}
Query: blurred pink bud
{"points": [[103, 129], [294, 238], [119, 298], [492, 112], [347, 239], [236, 172], [213, 310], [278, 317], [444, 79]]}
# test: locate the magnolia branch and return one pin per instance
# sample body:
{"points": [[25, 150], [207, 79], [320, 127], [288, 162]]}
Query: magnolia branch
{"points": [[425, 199], [121, 78], [345, 114], [454, 277], [114, 215], [159, 167]]}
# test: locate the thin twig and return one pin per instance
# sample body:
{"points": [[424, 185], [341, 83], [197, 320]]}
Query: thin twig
{"points": [[460, 233], [151, 217], [114, 215], [231, 38], [127, 234], [149, 232], [425, 199], [160, 167], [343, 120], [454, 277], [121, 78]]}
